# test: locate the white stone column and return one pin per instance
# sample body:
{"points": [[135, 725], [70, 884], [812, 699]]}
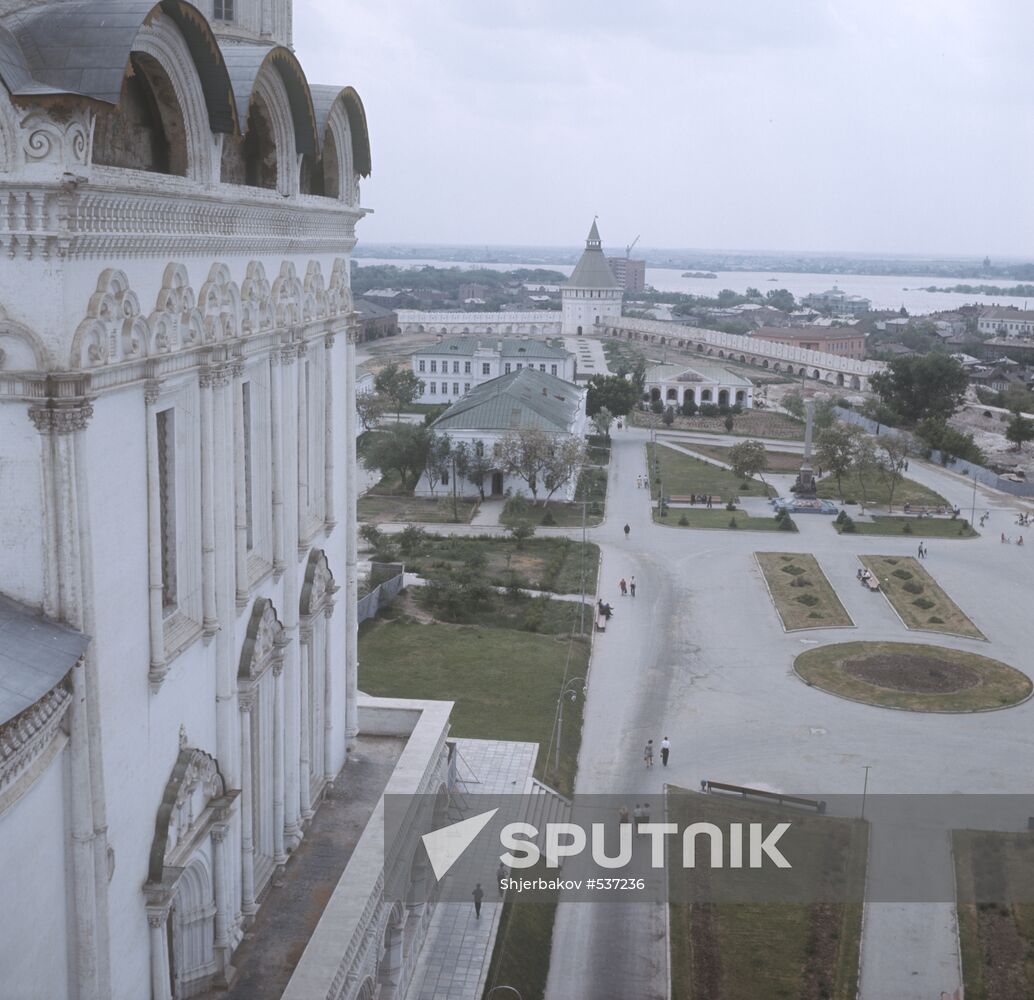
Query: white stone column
{"points": [[240, 505], [351, 548], [248, 907], [155, 590], [276, 416], [328, 434], [305, 662], [279, 854], [322, 650], [160, 977], [210, 620], [223, 914], [302, 410], [85, 944]]}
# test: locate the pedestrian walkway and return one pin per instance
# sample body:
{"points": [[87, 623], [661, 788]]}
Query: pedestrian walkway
{"points": [[488, 513], [457, 951]]}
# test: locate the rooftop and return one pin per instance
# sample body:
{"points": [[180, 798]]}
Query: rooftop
{"points": [[809, 332], [592, 270], [509, 347], [35, 655], [518, 401], [695, 373]]}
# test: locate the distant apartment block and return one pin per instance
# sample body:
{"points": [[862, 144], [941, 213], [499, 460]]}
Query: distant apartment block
{"points": [[629, 274], [838, 301], [449, 369], [1006, 322], [844, 342]]}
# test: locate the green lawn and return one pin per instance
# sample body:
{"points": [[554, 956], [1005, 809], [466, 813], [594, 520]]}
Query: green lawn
{"points": [[378, 509], [778, 461], [997, 937], [770, 950], [877, 494], [505, 682], [592, 486], [718, 517], [800, 591], [682, 475], [553, 564], [920, 527], [750, 423], [917, 598]]}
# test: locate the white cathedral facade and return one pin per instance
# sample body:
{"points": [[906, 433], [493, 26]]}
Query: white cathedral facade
{"points": [[177, 510]]}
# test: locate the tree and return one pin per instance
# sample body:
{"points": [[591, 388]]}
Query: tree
{"points": [[921, 386], [689, 405], [951, 443], [438, 459], [729, 422], [473, 463], [668, 416], [1020, 430], [863, 463], [525, 453], [617, 394], [823, 413], [793, 403], [398, 385], [563, 465], [891, 454], [835, 452], [402, 449], [748, 458], [780, 298], [370, 406], [601, 421]]}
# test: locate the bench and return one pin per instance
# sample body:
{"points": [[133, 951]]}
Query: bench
{"points": [[601, 622], [699, 499], [872, 583], [924, 511], [818, 805]]}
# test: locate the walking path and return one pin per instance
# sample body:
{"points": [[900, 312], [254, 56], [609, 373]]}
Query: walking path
{"points": [[457, 952]]}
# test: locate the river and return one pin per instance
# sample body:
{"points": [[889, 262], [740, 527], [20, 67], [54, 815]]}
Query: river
{"points": [[885, 291]]}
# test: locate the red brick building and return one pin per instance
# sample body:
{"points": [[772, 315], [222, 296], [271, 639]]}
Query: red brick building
{"points": [[845, 342]]}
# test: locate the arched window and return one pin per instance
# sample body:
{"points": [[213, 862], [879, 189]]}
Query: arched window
{"points": [[259, 147], [146, 130], [331, 166]]}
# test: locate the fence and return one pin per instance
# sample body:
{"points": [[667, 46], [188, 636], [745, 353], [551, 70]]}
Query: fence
{"points": [[384, 593], [960, 465]]}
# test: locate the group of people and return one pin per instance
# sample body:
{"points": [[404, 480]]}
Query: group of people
{"points": [[665, 751], [642, 482], [1006, 540], [1023, 519], [922, 550], [627, 586], [641, 814], [865, 578]]}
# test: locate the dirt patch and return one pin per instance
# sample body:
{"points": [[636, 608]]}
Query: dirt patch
{"points": [[912, 673]]}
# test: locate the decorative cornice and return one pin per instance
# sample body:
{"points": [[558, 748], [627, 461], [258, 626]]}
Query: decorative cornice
{"points": [[61, 417], [27, 735]]}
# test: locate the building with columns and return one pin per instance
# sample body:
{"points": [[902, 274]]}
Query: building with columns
{"points": [[177, 523], [703, 383]]}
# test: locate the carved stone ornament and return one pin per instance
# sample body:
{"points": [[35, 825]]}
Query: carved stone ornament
{"points": [[195, 781], [319, 587], [287, 296], [113, 329], [261, 648], [66, 143], [61, 418]]}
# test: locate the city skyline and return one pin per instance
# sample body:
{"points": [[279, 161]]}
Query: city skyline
{"points": [[879, 130]]}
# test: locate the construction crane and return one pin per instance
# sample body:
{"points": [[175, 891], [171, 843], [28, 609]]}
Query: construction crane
{"points": [[628, 249]]}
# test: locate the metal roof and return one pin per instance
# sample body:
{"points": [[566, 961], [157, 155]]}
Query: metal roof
{"points": [[35, 655], [518, 401], [508, 347], [592, 270], [684, 373]]}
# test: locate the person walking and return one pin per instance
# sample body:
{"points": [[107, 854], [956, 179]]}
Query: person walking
{"points": [[478, 895], [627, 530], [631, 586], [648, 753], [920, 550], [665, 750], [624, 587]]}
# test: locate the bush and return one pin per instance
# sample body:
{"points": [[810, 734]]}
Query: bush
{"points": [[808, 600], [411, 539], [732, 523], [515, 506], [793, 569], [548, 520], [656, 406], [934, 620], [731, 505], [913, 587], [924, 603], [745, 487], [708, 410], [786, 524], [371, 534], [814, 614], [902, 574], [521, 533], [906, 529], [684, 521], [849, 527]]}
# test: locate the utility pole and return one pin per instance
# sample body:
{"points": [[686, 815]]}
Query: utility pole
{"points": [[567, 691], [865, 789], [581, 606]]}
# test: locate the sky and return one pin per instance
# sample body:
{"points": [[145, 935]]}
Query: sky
{"points": [[895, 126]]}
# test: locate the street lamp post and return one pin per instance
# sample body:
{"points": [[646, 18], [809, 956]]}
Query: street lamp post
{"points": [[567, 691]]}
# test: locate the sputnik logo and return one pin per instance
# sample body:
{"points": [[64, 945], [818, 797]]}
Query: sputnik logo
{"points": [[445, 846]]}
